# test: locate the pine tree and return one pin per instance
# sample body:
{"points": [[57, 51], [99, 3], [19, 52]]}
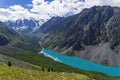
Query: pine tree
{"points": [[9, 64], [52, 69], [49, 69], [43, 69]]}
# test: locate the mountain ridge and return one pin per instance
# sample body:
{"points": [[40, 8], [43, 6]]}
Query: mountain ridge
{"points": [[25, 26], [85, 34]]}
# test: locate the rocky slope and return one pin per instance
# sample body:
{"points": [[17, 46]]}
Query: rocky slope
{"points": [[93, 34]]}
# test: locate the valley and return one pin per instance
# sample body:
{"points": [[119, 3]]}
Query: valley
{"points": [[84, 46]]}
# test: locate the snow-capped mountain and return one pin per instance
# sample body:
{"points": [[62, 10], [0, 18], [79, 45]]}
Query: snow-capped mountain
{"points": [[24, 25]]}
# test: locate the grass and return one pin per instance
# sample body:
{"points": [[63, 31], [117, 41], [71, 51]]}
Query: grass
{"points": [[17, 73], [42, 61]]}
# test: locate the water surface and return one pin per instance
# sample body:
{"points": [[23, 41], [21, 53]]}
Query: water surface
{"points": [[81, 63]]}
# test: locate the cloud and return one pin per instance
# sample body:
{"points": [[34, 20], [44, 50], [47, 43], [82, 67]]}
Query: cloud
{"points": [[56, 7], [103, 2], [13, 13], [41, 9]]}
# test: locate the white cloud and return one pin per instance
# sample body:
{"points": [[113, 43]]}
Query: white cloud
{"points": [[44, 10], [56, 7], [13, 13]]}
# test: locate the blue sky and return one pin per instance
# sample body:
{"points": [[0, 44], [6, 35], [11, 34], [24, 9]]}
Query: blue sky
{"points": [[7, 3]]}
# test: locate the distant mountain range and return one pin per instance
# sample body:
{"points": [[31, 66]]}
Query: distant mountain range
{"points": [[8, 35], [12, 41], [93, 34], [24, 25]]}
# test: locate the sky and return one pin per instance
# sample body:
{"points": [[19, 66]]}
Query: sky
{"points": [[7, 3], [45, 9]]}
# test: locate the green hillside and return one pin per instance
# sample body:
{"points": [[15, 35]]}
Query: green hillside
{"points": [[46, 63], [17, 73]]}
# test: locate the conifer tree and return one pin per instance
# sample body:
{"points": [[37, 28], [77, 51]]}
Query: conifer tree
{"points": [[9, 64]]}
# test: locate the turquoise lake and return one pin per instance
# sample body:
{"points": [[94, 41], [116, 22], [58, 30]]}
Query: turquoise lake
{"points": [[81, 63]]}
